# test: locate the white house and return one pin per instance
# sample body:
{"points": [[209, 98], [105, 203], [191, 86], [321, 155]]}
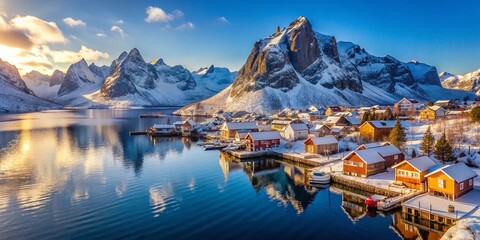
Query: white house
{"points": [[295, 131]]}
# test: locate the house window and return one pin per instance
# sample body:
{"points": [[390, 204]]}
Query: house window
{"points": [[470, 182], [461, 186], [441, 183], [395, 157]]}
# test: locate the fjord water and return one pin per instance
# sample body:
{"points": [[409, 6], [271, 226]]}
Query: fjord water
{"points": [[78, 174]]}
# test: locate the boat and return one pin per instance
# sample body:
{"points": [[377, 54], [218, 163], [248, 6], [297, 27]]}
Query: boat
{"points": [[372, 201], [319, 178], [214, 146]]}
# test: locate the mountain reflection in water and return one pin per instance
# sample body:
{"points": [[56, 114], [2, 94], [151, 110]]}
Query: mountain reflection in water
{"points": [[78, 174]]}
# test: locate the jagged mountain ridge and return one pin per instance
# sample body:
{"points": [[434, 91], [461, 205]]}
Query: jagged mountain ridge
{"points": [[15, 95], [297, 67], [467, 82]]}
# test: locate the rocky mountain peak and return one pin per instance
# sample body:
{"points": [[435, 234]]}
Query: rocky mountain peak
{"points": [[304, 49], [211, 69], [159, 62], [9, 74]]}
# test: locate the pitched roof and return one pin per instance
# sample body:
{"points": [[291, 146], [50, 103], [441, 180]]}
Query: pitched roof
{"points": [[267, 135], [376, 154], [298, 126], [329, 139], [385, 124], [373, 145], [335, 108], [458, 172], [353, 120], [241, 125], [436, 108], [420, 164], [369, 156], [387, 150], [318, 127]]}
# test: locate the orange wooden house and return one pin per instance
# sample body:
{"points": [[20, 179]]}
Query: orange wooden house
{"points": [[376, 130], [370, 161], [451, 181], [412, 172]]}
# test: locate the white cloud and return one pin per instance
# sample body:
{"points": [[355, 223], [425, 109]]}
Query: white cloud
{"points": [[65, 56], [187, 25], [101, 35], [25, 40], [74, 23], [119, 30], [39, 30], [120, 22], [223, 19], [156, 14]]}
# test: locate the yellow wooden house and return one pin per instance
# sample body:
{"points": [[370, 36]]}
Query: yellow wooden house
{"points": [[451, 181]]}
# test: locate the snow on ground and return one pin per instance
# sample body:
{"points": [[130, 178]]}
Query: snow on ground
{"points": [[464, 229]]}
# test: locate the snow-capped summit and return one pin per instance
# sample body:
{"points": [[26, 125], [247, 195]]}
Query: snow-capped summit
{"points": [[423, 73], [467, 82], [15, 96], [296, 67], [9, 73], [78, 75]]}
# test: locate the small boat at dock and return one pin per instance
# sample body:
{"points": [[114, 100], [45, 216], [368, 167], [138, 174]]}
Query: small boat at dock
{"points": [[372, 201], [318, 177]]}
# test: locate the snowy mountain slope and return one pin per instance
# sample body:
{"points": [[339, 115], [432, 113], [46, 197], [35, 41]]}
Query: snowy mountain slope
{"points": [[423, 73], [15, 96], [78, 76], [467, 82], [44, 86], [210, 81], [297, 67], [101, 71]]}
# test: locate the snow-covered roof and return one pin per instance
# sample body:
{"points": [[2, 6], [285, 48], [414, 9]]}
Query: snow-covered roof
{"points": [[436, 108], [353, 120], [439, 206], [387, 150], [332, 119], [329, 139], [458, 172], [420, 164], [298, 126], [442, 101], [281, 121], [373, 145], [267, 135], [163, 126], [240, 125], [369, 156], [376, 154], [318, 127]]}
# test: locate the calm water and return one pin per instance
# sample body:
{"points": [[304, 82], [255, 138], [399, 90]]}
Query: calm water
{"points": [[77, 174]]}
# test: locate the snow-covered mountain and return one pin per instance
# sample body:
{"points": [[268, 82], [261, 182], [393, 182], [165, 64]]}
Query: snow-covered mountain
{"points": [[424, 73], [467, 82], [210, 81], [296, 67], [15, 96], [44, 86]]}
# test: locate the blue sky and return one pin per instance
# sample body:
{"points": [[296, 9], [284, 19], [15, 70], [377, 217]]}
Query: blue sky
{"points": [[441, 33]]}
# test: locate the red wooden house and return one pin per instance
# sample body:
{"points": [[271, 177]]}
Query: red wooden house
{"points": [[257, 141]]}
